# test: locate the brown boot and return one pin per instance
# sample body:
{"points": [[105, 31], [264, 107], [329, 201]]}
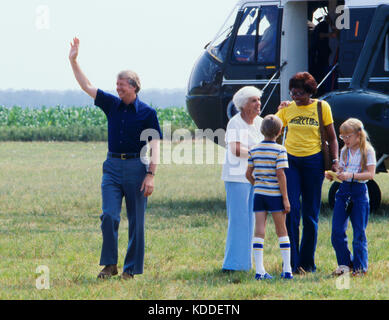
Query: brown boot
{"points": [[126, 276], [108, 271]]}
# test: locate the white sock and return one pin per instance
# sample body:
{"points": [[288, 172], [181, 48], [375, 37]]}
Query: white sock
{"points": [[258, 255], [285, 253]]}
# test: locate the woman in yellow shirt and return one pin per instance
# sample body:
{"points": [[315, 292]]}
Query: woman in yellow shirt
{"points": [[305, 174]]}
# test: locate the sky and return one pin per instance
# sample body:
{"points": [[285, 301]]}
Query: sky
{"points": [[160, 40]]}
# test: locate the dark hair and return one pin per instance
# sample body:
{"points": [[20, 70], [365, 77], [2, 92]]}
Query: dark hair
{"points": [[305, 81], [271, 126]]}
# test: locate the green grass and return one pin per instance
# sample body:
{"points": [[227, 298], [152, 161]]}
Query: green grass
{"points": [[49, 215]]}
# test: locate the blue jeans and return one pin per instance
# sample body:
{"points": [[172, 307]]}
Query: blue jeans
{"points": [[240, 226], [305, 177], [359, 218], [123, 178]]}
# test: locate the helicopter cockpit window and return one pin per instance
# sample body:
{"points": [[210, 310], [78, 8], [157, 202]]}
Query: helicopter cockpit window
{"points": [[218, 47], [245, 39], [256, 40], [268, 34]]}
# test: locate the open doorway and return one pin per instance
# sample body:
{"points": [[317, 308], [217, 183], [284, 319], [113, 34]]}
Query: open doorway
{"points": [[323, 43], [310, 42]]}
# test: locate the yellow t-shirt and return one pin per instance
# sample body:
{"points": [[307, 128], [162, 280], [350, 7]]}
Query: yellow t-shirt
{"points": [[303, 137]]}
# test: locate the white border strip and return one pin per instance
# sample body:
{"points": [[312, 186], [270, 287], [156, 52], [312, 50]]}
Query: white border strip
{"points": [[372, 79], [248, 81]]}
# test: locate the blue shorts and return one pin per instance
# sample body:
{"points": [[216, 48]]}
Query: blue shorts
{"points": [[268, 203]]}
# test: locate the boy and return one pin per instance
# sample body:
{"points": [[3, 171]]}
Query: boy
{"points": [[265, 171]]}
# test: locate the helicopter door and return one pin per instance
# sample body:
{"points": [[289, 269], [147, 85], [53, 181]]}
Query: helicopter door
{"points": [[253, 57], [254, 53]]}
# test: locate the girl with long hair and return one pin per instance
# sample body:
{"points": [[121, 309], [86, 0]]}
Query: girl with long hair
{"points": [[357, 166]]}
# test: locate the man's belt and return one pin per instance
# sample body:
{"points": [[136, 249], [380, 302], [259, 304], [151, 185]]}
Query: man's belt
{"points": [[124, 156]]}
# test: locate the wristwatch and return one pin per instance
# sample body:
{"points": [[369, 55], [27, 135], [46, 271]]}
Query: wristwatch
{"points": [[150, 172], [335, 160]]}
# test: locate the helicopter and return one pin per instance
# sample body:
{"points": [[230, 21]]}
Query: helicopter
{"points": [[354, 79]]}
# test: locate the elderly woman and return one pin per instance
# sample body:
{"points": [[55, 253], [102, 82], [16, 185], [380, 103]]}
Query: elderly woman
{"points": [[243, 132], [305, 174]]}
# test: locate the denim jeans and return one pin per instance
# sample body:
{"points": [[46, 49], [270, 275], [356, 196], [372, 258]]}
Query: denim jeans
{"points": [[305, 177], [359, 218], [240, 226], [123, 178]]}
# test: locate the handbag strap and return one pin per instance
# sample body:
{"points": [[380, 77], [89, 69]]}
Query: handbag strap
{"points": [[321, 125]]}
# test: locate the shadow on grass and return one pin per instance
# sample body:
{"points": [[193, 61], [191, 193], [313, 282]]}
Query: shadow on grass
{"points": [[381, 212], [173, 208], [325, 210], [213, 277], [216, 277]]}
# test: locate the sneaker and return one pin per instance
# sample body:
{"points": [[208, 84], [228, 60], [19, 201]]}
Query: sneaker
{"points": [[108, 271], [286, 275], [263, 276], [340, 270]]}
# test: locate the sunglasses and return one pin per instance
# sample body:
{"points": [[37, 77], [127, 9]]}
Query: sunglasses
{"points": [[297, 93]]}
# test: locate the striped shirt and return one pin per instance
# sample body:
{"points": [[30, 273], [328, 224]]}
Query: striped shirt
{"points": [[352, 162], [266, 157]]}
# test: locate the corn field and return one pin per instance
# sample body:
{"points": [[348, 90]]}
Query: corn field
{"points": [[71, 123]]}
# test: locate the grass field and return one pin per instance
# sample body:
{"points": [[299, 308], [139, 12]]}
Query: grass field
{"points": [[49, 215]]}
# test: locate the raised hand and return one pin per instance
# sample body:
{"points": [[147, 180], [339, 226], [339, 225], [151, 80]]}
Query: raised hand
{"points": [[79, 75], [74, 49]]}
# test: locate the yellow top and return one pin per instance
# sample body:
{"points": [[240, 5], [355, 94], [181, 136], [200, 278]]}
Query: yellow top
{"points": [[303, 137]]}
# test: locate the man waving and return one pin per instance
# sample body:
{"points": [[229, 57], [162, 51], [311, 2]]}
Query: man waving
{"points": [[126, 173]]}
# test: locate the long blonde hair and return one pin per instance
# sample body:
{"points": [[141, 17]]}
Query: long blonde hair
{"points": [[353, 125]]}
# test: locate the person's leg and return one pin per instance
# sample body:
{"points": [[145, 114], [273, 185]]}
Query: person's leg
{"points": [[260, 224], [279, 219], [293, 217], [238, 250], [112, 197], [133, 176], [359, 218], [339, 227], [312, 178], [258, 241]]}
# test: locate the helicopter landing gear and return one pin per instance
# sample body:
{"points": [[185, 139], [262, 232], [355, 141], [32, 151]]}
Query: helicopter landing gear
{"points": [[374, 194]]}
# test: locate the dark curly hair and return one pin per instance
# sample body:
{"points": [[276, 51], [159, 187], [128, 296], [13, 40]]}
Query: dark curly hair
{"points": [[305, 81]]}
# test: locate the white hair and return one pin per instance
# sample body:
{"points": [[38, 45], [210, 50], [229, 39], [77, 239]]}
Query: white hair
{"points": [[242, 96]]}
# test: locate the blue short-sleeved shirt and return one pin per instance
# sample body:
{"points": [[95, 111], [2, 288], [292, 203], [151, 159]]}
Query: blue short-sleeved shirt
{"points": [[126, 123]]}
